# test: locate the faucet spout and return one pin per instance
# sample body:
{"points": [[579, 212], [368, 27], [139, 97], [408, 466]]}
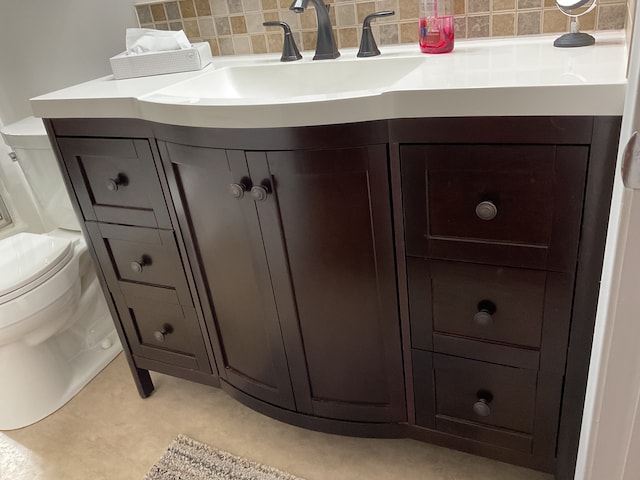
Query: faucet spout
{"points": [[326, 43], [299, 6]]}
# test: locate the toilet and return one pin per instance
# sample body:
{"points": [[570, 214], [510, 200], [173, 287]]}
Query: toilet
{"points": [[56, 332]]}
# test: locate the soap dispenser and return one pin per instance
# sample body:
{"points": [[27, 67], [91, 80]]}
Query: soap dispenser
{"points": [[436, 26]]}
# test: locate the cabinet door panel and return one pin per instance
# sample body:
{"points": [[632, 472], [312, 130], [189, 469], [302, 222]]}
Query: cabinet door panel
{"points": [[336, 225], [225, 234]]}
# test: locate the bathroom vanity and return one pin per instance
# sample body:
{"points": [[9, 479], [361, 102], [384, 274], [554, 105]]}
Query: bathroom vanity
{"points": [[356, 264]]}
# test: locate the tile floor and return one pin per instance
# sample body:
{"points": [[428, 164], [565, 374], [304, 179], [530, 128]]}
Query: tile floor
{"points": [[108, 432]]}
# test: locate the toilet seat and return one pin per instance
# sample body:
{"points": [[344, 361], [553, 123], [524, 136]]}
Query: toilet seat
{"points": [[28, 260]]}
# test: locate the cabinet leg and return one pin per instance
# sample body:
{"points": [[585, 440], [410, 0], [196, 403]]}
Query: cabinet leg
{"points": [[143, 382]]}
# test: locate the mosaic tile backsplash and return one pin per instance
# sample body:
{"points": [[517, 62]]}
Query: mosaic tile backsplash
{"points": [[235, 26]]}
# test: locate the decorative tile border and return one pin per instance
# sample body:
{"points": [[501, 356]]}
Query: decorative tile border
{"points": [[235, 26]]}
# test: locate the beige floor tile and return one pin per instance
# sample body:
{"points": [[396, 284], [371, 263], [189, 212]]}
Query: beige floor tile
{"points": [[108, 432]]}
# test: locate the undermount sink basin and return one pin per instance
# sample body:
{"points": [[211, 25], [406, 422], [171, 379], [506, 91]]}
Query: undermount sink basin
{"points": [[298, 81]]}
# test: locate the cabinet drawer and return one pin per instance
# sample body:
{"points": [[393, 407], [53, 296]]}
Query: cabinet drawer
{"points": [[503, 204], [485, 393], [139, 255], [115, 180], [158, 327], [511, 316], [485, 302], [485, 402]]}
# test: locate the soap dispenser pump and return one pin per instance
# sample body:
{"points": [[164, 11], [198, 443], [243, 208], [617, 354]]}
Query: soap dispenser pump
{"points": [[436, 32]]}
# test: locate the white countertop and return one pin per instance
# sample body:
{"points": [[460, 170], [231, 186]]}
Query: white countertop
{"points": [[495, 77]]}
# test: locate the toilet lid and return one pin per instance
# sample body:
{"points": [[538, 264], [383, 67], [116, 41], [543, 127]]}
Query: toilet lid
{"points": [[28, 257]]}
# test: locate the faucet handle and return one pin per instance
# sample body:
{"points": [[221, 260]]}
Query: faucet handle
{"points": [[290, 50], [368, 47]]}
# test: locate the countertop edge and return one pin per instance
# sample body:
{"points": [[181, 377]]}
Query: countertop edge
{"points": [[523, 92]]}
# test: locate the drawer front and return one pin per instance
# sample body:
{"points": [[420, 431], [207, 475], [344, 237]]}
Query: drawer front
{"points": [[510, 316], [517, 181], [158, 327], [485, 393], [139, 255], [484, 302], [514, 408], [503, 204], [115, 181]]}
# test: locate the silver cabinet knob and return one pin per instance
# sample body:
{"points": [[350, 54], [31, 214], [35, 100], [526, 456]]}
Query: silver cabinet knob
{"points": [[113, 184], [486, 210], [161, 335], [484, 315], [483, 318], [138, 266], [237, 190], [259, 193], [482, 408]]}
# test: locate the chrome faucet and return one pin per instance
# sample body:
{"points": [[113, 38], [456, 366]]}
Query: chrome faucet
{"points": [[326, 43]]}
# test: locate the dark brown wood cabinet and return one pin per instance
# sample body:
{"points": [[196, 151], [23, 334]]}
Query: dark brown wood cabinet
{"points": [[492, 249], [496, 218], [295, 253], [116, 189], [430, 278]]}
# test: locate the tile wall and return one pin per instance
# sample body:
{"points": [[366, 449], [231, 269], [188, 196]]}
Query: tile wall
{"points": [[235, 26]]}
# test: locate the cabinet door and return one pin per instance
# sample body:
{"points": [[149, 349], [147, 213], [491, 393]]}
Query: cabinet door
{"points": [[224, 234], [334, 221]]}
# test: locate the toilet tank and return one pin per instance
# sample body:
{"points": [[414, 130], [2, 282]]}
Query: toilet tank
{"points": [[28, 139]]}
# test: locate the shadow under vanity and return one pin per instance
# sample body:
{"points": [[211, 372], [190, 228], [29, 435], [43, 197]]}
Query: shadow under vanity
{"points": [[426, 278]]}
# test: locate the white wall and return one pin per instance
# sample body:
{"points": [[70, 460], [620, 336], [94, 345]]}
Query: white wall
{"points": [[610, 436], [46, 45]]}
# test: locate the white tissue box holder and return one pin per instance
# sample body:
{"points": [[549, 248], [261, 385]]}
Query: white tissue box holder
{"points": [[197, 57]]}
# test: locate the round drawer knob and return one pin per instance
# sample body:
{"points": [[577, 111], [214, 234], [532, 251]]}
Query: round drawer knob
{"points": [[138, 267], [486, 210], [114, 183], [482, 408], [484, 315], [237, 190], [259, 193], [483, 318], [161, 335]]}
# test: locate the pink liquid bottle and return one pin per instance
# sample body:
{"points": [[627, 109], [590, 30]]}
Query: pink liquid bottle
{"points": [[436, 26]]}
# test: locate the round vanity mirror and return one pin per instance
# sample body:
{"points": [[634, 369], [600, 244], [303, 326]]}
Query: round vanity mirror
{"points": [[571, 4], [575, 9]]}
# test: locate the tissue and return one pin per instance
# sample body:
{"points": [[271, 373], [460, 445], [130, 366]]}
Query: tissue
{"points": [[143, 40], [155, 52]]}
